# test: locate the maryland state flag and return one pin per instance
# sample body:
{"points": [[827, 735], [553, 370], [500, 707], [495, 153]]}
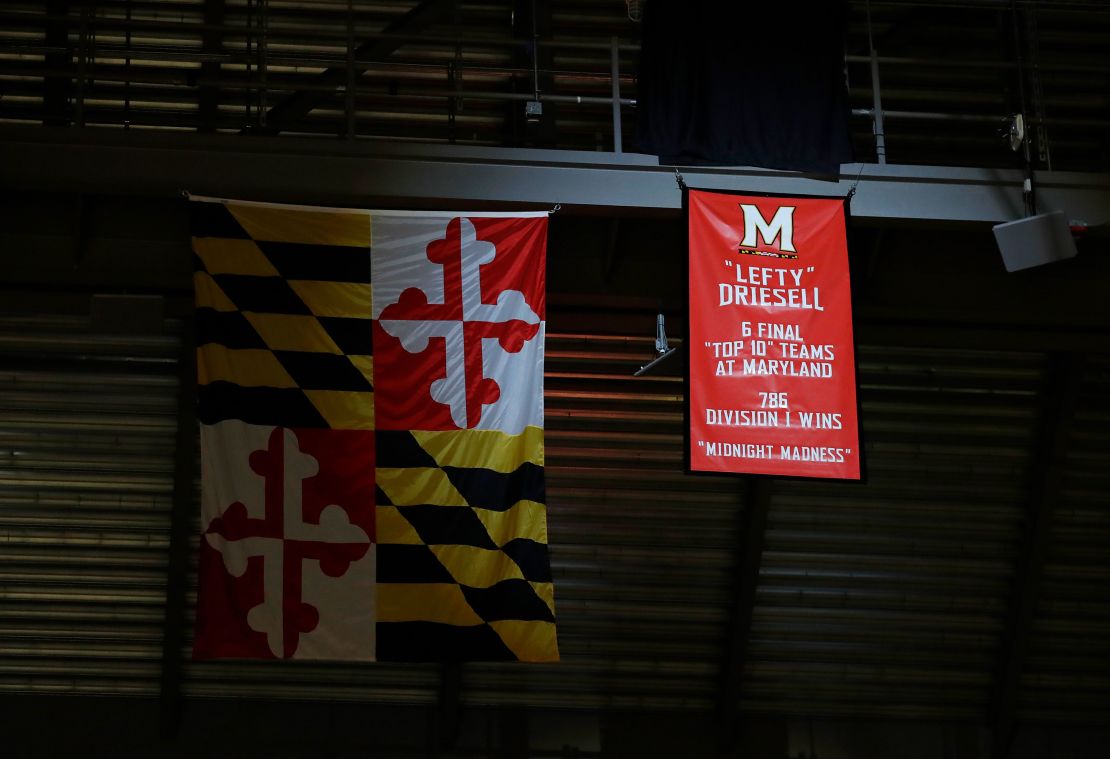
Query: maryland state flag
{"points": [[371, 434]]}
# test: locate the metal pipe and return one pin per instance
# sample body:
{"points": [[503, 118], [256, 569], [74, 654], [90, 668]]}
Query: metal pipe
{"points": [[535, 54], [38, 19], [927, 116], [127, 70], [877, 118], [524, 96], [1028, 193], [82, 60], [250, 43], [876, 95], [181, 513], [183, 80], [172, 80], [349, 100], [1044, 152], [615, 77], [886, 60], [196, 56], [263, 27], [193, 55]]}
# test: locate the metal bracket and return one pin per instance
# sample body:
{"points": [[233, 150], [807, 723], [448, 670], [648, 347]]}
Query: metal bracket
{"points": [[662, 350]]}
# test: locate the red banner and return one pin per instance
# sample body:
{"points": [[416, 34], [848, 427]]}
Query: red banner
{"points": [[772, 364]]}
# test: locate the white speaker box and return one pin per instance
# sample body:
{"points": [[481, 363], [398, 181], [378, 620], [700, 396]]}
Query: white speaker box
{"points": [[1035, 240]]}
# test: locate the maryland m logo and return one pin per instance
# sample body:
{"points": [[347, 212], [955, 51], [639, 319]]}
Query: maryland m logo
{"points": [[781, 226]]}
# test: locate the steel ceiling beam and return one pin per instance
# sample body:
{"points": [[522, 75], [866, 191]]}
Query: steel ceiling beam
{"points": [[297, 105], [398, 175]]}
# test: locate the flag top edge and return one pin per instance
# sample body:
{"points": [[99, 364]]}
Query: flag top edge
{"points": [[467, 214], [372, 212], [285, 206]]}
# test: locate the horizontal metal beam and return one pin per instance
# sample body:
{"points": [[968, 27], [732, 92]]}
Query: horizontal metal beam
{"points": [[368, 173]]}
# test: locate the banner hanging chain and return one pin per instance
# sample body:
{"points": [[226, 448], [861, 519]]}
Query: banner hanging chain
{"points": [[859, 175]]}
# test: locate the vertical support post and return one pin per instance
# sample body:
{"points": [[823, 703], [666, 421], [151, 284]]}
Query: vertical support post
{"points": [[349, 100], [877, 110], [535, 55], [1044, 153], [513, 733], [1029, 192], [455, 76], [215, 12], [451, 101], [450, 690], [184, 474], [82, 61], [127, 71], [615, 77], [57, 87], [876, 96], [80, 230], [1057, 416], [249, 96], [263, 40], [532, 23], [753, 529]]}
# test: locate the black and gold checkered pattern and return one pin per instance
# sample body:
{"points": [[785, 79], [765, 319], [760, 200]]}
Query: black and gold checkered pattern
{"points": [[463, 571], [283, 316]]}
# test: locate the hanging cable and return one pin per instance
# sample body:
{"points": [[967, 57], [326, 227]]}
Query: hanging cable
{"points": [[852, 190]]}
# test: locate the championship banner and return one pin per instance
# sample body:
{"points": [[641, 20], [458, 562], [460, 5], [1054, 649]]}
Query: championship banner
{"points": [[772, 359], [371, 421]]}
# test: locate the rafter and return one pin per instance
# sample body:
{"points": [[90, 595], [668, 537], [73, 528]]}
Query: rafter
{"points": [[295, 106]]}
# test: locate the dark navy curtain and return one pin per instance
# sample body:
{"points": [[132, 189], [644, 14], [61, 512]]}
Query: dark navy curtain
{"points": [[744, 84]]}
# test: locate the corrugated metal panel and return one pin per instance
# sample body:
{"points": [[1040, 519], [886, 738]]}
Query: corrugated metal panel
{"points": [[887, 598], [881, 599], [1068, 672], [86, 439]]}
